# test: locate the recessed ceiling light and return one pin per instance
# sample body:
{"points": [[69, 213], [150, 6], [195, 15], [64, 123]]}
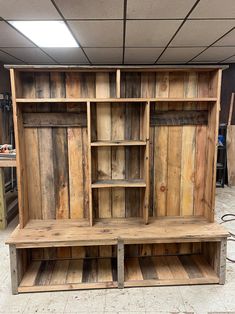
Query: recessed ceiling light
{"points": [[46, 33]]}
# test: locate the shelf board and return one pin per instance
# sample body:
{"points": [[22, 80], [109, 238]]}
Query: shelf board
{"points": [[67, 232], [118, 183], [168, 270], [119, 143], [94, 100], [69, 274]]}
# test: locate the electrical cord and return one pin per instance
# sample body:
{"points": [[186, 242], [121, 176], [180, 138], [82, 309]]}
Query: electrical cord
{"points": [[225, 219]]}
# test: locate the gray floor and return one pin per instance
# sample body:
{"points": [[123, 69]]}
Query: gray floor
{"points": [[190, 299]]}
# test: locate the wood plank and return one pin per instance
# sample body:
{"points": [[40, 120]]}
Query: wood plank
{"points": [[104, 270], [119, 143], [147, 268], [44, 273], [31, 274], [190, 267], [120, 263], [103, 116], [118, 158], [176, 267], [204, 267], [176, 89], [187, 171], [162, 268], [33, 173], [172, 117], [59, 273], [132, 269], [118, 183], [60, 161], [90, 270], [75, 271], [42, 119]]}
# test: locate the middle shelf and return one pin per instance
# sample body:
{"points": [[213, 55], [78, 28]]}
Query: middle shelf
{"points": [[135, 183]]}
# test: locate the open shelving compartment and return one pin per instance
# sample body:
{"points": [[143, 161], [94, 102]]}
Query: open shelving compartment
{"points": [[172, 264], [67, 268], [116, 156]]}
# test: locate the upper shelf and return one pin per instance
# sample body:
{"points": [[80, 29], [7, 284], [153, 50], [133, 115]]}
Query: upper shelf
{"points": [[73, 100], [119, 143]]}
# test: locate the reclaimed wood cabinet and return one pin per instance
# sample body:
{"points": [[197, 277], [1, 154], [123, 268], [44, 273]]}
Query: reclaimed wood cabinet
{"points": [[116, 176]]}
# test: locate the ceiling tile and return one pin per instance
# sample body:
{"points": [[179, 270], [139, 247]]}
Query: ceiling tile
{"points": [[98, 33], [227, 40], [230, 60], [91, 9], [201, 32], [215, 54], [104, 55], [5, 58], [30, 55], [26, 10], [144, 33], [142, 55], [214, 9], [158, 9], [179, 55], [9, 37], [67, 55]]}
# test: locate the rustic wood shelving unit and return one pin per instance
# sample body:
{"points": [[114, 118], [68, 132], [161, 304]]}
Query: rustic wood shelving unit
{"points": [[116, 176]]}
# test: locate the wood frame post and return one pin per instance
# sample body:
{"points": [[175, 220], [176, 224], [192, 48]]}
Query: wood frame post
{"points": [[120, 263], [222, 254], [14, 268], [3, 209]]}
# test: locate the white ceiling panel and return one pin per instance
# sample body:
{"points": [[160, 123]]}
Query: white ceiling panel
{"points": [[227, 40], [27, 10], [144, 33], [30, 55], [104, 55], [215, 54], [214, 9], [9, 37], [91, 9], [98, 33], [5, 58], [67, 55], [179, 55], [142, 55], [201, 33], [158, 9]]}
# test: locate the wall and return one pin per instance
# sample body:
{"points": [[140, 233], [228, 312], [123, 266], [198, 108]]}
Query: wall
{"points": [[228, 86], [4, 79]]}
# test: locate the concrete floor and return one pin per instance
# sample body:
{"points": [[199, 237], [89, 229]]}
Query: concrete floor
{"points": [[190, 299]]}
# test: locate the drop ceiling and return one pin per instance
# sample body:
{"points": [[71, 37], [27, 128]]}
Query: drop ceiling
{"points": [[124, 31]]}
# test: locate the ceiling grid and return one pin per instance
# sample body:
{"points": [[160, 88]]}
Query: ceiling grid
{"points": [[124, 31]]}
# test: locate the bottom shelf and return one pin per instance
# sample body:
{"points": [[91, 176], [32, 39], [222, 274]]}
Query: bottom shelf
{"points": [[52, 275], [168, 270]]}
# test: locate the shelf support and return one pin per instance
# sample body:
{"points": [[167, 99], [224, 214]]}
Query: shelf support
{"points": [[120, 263], [14, 268]]}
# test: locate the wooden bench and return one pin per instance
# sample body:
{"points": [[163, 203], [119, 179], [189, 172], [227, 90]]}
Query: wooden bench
{"points": [[33, 270]]}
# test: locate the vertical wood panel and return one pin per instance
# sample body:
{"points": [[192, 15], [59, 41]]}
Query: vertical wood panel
{"points": [[118, 159], [176, 90]]}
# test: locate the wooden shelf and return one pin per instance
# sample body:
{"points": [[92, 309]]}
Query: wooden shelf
{"points": [[94, 100], [67, 232], [118, 183], [119, 143], [168, 270], [7, 163], [70, 274]]}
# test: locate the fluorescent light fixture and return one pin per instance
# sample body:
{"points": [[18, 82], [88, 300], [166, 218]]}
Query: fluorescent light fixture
{"points": [[46, 33]]}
